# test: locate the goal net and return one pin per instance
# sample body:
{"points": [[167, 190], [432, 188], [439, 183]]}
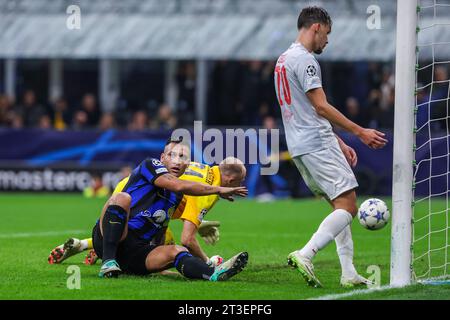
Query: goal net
{"points": [[430, 211]]}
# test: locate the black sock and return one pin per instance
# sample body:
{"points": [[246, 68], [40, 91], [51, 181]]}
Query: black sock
{"points": [[113, 225], [192, 267]]}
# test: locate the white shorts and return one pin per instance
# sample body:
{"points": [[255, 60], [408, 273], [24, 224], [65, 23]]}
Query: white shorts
{"points": [[326, 172]]}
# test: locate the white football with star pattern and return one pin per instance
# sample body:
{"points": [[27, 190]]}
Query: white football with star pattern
{"points": [[373, 214]]}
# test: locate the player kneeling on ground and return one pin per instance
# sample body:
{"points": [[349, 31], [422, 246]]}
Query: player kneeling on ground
{"points": [[229, 173], [132, 226]]}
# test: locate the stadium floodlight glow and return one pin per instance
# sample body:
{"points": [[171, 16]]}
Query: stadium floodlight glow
{"points": [[402, 193]]}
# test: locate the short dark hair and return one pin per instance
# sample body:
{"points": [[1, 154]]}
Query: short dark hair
{"points": [[178, 140], [174, 140], [310, 15]]}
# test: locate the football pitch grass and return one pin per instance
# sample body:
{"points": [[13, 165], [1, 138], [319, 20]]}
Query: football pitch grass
{"points": [[32, 224]]}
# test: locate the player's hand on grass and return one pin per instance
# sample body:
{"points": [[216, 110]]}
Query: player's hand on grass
{"points": [[228, 193], [372, 138], [209, 231]]}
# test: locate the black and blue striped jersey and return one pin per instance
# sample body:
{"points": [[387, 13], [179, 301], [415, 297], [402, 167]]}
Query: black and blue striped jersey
{"points": [[151, 207]]}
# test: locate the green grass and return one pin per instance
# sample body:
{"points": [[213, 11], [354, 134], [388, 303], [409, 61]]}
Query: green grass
{"points": [[33, 224]]}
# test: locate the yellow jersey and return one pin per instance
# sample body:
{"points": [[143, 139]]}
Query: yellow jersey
{"points": [[192, 208]]}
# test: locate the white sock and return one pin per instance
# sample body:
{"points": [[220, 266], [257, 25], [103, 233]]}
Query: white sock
{"points": [[84, 244], [344, 246], [330, 227]]}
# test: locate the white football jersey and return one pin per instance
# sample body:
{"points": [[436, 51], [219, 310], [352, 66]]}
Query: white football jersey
{"points": [[297, 72]]}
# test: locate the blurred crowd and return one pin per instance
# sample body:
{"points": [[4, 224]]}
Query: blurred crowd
{"points": [[240, 93], [29, 113]]}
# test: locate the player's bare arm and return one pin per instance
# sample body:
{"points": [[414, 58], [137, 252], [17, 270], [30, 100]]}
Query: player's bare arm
{"points": [[372, 138], [172, 183], [189, 240]]}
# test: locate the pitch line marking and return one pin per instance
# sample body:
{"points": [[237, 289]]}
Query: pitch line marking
{"points": [[41, 234], [352, 293]]}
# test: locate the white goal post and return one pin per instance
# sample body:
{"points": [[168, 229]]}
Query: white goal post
{"points": [[402, 188], [420, 241]]}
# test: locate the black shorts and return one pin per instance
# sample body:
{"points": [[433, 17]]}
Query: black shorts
{"points": [[131, 252]]}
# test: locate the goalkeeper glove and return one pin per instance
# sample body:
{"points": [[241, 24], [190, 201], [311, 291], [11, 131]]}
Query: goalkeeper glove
{"points": [[209, 231], [214, 261]]}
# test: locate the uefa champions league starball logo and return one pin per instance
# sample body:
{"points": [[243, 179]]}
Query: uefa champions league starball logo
{"points": [[157, 163], [158, 216], [311, 70]]}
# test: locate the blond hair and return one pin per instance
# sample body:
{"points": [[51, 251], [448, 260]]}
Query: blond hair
{"points": [[232, 166]]}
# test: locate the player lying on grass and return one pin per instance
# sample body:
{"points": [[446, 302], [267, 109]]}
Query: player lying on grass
{"points": [[208, 231], [230, 173], [321, 157], [129, 236]]}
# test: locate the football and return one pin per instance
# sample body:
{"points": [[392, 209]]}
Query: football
{"points": [[373, 214]]}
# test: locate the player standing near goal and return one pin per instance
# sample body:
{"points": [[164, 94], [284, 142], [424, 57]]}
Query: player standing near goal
{"points": [[321, 157]]}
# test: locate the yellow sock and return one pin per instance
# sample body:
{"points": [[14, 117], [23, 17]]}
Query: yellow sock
{"points": [[90, 246], [86, 244]]}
